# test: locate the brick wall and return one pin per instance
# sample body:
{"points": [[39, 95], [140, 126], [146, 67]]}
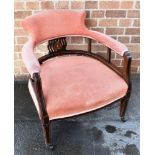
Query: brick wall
{"points": [[117, 18]]}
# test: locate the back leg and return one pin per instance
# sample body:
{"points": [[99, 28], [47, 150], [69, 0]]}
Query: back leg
{"points": [[123, 106]]}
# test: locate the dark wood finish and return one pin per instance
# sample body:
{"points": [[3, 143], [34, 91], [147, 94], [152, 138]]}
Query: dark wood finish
{"points": [[37, 87], [89, 44], [57, 47], [108, 54], [46, 129], [124, 104], [126, 66], [126, 75]]}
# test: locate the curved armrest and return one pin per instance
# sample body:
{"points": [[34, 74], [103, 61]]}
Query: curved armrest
{"points": [[113, 44], [29, 58]]}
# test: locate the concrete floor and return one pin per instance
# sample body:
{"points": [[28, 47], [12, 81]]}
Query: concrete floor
{"points": [[97, 133]]}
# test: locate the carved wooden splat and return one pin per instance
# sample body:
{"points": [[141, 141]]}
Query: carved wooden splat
{"points": [[56, 45]]}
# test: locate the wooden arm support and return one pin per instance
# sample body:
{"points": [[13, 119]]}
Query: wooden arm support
{"points": [[37, 86], [127, 67]]}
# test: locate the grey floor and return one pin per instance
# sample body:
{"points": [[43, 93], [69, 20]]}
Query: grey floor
{"points": [[96, 133]]}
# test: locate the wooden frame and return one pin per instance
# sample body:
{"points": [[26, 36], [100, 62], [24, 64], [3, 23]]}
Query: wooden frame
{"points": [[57, 47]]}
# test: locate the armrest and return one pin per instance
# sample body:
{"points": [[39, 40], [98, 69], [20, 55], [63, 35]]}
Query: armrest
{"points": [[113, 44], [29, 58]]}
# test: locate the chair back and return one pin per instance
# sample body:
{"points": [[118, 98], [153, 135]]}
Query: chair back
{"points": [[55, 23]]}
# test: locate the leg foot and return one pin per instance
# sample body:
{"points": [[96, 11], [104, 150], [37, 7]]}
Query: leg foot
{"points": [[50, 146], [123, 119]]}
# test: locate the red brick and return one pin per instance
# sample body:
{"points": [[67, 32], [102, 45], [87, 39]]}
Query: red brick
{"points": [[108, 22], [19, 6], [77, 5], [77, 47], [135, 39], [104, 54], [117, 56], [114, 31], [18, 63], [126, 5], [133, 47], [42, 47], [125, 22], [97, 14], [77, 40], [47, 5], [17, 24], [116, 62], [114, 37], [18, 48], [132, 31], [32, 5], [20, 32], [133, 14], [98, 29], [22, 14], [62, 5], [21, 40], [91, 4], [123, 39], [136, 23], [15, 56], [109, 4], [116, 13], [135, 55], [91, 22], [18, 55], [23, 70], [137, 6], [135, 63], [16, 71], [134, 69], [98, 48]]}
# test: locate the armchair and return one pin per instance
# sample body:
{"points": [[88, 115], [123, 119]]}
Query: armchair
{"points": [[65, 83]]}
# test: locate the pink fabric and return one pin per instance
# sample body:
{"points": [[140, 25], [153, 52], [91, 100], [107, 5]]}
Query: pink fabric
{"points": [[29, 58], [107, 41], [56, 23], [32, 92], [77, 84]]}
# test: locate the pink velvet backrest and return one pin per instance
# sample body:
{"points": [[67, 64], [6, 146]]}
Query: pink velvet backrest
{"points": [[55, 23], [51, 24]]}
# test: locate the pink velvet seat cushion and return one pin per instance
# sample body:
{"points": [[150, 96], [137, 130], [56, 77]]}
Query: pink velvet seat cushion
{"points": [[76, 84]]}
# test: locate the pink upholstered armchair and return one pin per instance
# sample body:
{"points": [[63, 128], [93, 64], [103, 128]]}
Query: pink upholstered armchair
{"points": [[66, 83]]}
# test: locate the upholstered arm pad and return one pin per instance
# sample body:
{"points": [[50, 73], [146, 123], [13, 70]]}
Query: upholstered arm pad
{"points": [[115, 45], [29, 58]]}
